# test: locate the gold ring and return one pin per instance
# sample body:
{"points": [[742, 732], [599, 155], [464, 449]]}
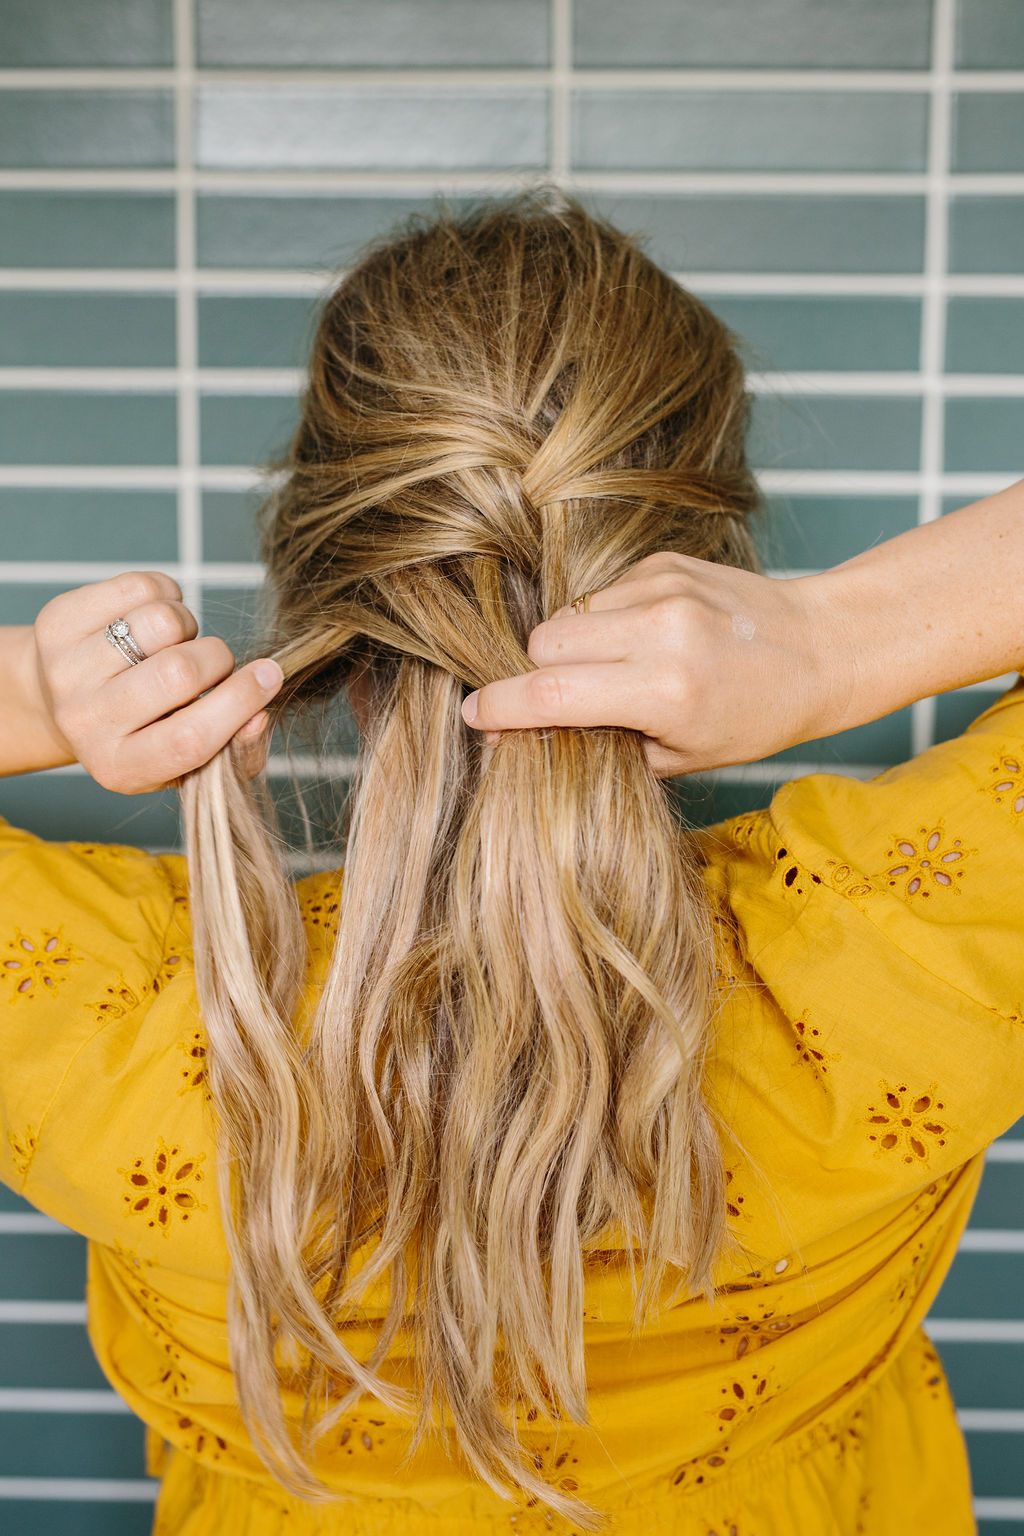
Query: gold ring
{"points": [[582, 604]]}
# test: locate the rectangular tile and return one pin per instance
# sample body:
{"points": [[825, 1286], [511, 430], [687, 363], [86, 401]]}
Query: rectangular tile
{"points": [[129, 528], [48, 1355], [820, 531], [985, 335], [229, 525], [836, 432], [86, 1517], [86, 128], [834, 333], [1000, 1201], [699, 802], [86, 229], [954, 711], [983, 1285], [230, 612], [997, 1465], [782, 33], [353, 33], [989, 34], [53, 34], [74, 808], [78, 1444], [984, 435], [246, 429], [986, 234], [52, 426], [285, 230], [38, 1266], [788, 233], [749, 130], [248, 331], [351, 128], [984, 1375], [988, 130], [86, 330], [885, 741]]}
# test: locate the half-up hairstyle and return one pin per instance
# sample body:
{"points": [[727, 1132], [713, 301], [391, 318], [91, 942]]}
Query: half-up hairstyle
{"points": [[504, 410]]}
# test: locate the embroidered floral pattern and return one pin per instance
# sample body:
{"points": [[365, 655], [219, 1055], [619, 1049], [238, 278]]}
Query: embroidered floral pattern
{"points": [[163, 1190], [734, 1201], [743, 1396], [850, 881], [194, 1072], [118, 1001], [745, 1332], [199, 1441], [926, 862], [794, 876], [809, 1049], [911, 1123], [37, 963], [1007, 786], [23, 1148]]}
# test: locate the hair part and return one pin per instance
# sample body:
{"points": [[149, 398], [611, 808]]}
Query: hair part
{"points": [[504, 409]]}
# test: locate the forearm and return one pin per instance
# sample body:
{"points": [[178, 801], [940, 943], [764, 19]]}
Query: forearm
{"points": [[28, 737], [935, 608]]}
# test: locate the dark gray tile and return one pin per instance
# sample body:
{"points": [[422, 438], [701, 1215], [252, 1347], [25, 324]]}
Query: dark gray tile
{"points": [[750, 130], [954, 711], [989, 131], [1000, 1201], [50, 426], [72, 807], [984, 435], [254, 331], [72, 1445], [834, 333], [135, 529], [997, 1462], [353, 33], [283, 230], [229, 525], [983, 1285], [86, 330], [246, 429], [232, 613], [86, 229], [827, 432], [54, 34], [990, 34], [984, 1375], [885, 741], [984, 335], [758, 233], [92, 1517], [86, 128], [387, 128], [48, 1355], [815, 532], [986, 234], [41, 1266], [788, 33]]}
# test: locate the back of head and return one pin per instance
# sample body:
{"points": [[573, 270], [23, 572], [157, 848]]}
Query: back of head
{"points": [[504, 410]]}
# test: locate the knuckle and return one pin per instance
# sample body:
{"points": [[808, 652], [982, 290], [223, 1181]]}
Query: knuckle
{"points": [[138, 587], [186, 747], [547, 693], [166, 623], [176, 675]]}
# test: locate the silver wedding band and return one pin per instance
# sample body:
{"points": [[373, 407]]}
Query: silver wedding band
{"points": [[121, 638]]}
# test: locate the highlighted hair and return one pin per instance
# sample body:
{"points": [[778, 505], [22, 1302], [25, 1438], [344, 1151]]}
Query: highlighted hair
{"points": [[503, 410]]}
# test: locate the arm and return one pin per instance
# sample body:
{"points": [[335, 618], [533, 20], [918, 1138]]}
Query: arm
{"points": [[716, 665], [70, 697]]}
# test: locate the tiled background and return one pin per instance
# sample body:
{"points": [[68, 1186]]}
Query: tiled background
{"points": [[842, 179]]}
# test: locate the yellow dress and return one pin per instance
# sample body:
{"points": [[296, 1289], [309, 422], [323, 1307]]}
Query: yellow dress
{"points": [[869, 1047]]}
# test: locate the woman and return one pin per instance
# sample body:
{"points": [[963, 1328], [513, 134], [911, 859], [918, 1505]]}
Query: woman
{"points": [[559, 1164]]}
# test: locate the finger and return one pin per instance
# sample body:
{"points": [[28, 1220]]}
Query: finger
{"points": [[574, 637], [251, 744], [155, 627], [588, 693], [648, 577], [162, 752], [167, 681], [72, 615]]}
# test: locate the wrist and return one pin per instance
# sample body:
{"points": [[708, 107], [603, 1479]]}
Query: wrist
{"points": [[29, 737]]}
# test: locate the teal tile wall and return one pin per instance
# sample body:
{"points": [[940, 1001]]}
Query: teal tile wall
{"points": [[155, 316]]}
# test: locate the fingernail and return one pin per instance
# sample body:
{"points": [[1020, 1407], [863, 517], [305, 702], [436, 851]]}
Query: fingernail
{"points": [[268, 674], [469, 707]]}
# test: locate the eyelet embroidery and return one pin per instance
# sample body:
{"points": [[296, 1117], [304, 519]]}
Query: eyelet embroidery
{"points": [[118, 1002], [37, 964], [194, 1073], [742, 1398], [809, 1049], [23, 1148], [733, 1199], [745, 1332], [922, 860], [849, 881], [794, 876], [164, 1192], [908, 1122], [1007, 785]]}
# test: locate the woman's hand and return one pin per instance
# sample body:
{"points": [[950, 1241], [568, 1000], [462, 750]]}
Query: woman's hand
{"points": [[134, 728], [713, 664]]}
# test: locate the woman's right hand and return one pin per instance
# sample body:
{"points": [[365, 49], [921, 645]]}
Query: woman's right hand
{"points": [[713, 664]]}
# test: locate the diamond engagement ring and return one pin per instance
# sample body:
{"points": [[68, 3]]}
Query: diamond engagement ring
{"points": [[121, 638]]}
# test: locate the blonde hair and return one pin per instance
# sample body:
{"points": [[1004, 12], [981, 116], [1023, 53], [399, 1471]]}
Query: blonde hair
{"points": [[504, 410]]}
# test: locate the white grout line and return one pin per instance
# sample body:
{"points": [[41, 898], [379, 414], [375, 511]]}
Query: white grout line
{"points": [[60, 1400], [561, 96], [80, 1490], [31, 1221], [189, 513], [955, 1330], [984, 1240], [1008, 1149], [998, 1509], [593, 79], [994, 1420], [42, 1312]]}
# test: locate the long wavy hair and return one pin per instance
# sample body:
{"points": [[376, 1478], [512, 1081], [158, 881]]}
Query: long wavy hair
{"points": [[504, 409]]}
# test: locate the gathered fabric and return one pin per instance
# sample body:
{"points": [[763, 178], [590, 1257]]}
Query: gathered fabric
{"points": [[868, 1046]]}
